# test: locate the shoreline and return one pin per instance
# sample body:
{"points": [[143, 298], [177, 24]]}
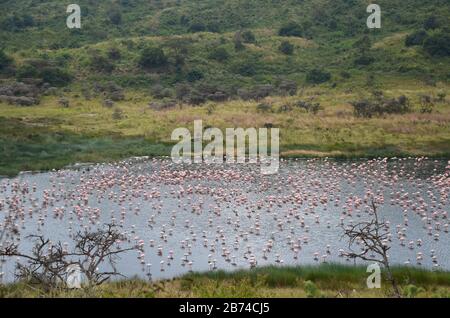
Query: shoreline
{"points": [[283, 156]]}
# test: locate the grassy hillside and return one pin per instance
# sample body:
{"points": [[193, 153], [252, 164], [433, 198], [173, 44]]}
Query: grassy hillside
{"points": [[136, 70], [326, 280]]}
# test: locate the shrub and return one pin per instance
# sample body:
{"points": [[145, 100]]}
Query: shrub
{"points": [[45, 71], [108, 103], [288, 88], [311, 289], [218, 96], [248, 37], [379, 105], [291, 29], [116, 95], [197, 27], [308, 106], [219, 54], [152, 57], [213, 27], [5, 60], [264, 107], [182, 91], [345, 74], [19, 100], [431, 23], [438, 44], [317, 76], [245, 68], [165, 104], [441, 97], [63, 102], [114, 53], [117, 114], [416, 38], [364, 60], [194, 75], [426, 104], [412, 291], [195, 98], [115, 17], [17, 22], [160, 92], [286, 48]]}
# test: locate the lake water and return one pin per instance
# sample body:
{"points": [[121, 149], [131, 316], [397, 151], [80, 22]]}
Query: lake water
{"points": [[227, 216]]}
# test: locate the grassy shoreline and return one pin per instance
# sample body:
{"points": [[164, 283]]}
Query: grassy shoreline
{"points": [[326, 280]]}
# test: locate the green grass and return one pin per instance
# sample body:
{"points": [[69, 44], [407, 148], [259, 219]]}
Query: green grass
{"points": [[326, 280]]}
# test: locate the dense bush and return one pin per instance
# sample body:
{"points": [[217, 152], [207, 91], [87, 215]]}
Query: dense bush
{"points": [[431, 23], [244, 68], [317, 76], [152, 57], [45, 71], [291, 29], [438, 44], [55, 76], [160, 92], [286, 48], [197, 27], [379, 105], [194, 75], [416, 38], [17, 22], [310, 107]]}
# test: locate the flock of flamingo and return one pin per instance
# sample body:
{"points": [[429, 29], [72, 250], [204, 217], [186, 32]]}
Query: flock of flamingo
{"points": [[207, 217]]}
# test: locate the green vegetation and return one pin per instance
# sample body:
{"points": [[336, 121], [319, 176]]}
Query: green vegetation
{"points": [[138, 69], [326, 280]]}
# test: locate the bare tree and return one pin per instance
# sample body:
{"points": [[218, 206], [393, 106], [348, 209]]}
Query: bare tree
{"points": [[47, 263], [373, 235]]}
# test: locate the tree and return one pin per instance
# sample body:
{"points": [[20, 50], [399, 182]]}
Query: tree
{"points": [[438, 44], [373, 234], [317, 76], [47, 263], [286, 48], [152, 57]]}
